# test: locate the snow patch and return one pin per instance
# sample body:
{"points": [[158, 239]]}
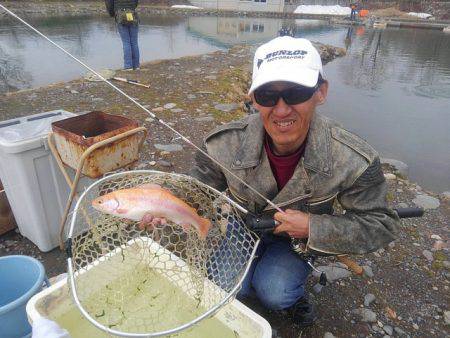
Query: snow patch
{"points": [[420, 15], [318, 9], [186, 6]]}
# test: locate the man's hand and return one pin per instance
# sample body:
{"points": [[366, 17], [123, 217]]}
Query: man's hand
{"points": [[295, 223]]}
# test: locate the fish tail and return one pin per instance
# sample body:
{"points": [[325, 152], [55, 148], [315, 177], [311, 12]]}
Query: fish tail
{"points": [[204, 226]]}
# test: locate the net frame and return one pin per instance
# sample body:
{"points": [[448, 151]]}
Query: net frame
{"points": [[72, 272]]}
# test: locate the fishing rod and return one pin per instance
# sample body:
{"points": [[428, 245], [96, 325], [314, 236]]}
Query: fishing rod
{"points": [[152, 115], [254, 222]]}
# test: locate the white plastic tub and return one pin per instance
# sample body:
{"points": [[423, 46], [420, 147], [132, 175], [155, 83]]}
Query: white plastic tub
{"points": [[56, 302], [34, 185]]}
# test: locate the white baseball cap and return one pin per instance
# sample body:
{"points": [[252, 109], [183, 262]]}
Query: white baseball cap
{"points": [[286, 59]]}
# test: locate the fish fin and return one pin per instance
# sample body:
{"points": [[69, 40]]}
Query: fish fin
{"points": [[152, 186], [149, 186], [121, 211], [185, 226], [204, 226], [146, 222]]}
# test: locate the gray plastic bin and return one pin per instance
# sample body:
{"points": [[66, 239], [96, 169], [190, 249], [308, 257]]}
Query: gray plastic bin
{"points": [[33, 183]]}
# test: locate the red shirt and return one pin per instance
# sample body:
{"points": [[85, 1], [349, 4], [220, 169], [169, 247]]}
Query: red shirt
{"points": [[283, 167]]}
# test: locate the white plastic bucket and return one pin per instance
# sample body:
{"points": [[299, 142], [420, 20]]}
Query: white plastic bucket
{"points": [[34, 185]]}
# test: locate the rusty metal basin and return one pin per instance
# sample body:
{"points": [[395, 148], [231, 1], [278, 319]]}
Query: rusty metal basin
{"points": [[73, 136]]}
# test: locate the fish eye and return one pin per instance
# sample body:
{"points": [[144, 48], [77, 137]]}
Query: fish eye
{"points": [[100, 202]]}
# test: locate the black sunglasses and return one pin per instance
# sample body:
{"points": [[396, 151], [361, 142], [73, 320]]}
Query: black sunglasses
{"points": [[267, 97]]}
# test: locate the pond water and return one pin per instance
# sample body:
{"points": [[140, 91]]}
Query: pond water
{"points": [[392, 88]]}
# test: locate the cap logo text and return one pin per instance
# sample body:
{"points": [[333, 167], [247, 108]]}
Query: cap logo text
{"points": [[259, 62], [286, 54]]}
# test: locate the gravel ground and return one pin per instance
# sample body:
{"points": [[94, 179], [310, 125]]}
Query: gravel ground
{"points": [[405, 286]]}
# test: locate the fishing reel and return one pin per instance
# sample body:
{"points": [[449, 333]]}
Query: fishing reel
{"points": [[264, 224]]}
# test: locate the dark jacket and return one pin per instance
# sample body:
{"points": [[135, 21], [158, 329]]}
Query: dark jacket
{"points": [[337, 165], [112, 6], [125, 4]]}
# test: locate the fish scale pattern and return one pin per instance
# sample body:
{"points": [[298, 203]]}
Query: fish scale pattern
{"points": [[132, 280]]}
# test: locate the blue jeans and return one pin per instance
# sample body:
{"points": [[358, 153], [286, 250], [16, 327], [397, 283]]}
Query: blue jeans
{"points": [[129, 36], [277, 276]]}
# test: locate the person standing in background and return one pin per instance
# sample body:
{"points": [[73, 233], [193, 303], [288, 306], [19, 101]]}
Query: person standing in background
{"points": [[348, 38], [353, 7], [124, 12]]}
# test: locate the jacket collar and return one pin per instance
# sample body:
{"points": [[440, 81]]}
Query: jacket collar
{"points": [[248, 154], [317, 157]]}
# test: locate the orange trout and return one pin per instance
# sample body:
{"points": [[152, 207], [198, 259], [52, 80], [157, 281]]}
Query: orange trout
{"points": [[151, 201]]}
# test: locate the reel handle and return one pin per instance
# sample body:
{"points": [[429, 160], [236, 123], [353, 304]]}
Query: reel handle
{"points": [[258, 223], [409, 212]]}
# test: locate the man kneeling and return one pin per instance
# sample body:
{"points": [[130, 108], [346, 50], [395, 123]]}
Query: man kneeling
{"points": [[302, 162]]}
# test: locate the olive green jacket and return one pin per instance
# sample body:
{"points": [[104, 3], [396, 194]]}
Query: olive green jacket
{"points": [[336, 165]]}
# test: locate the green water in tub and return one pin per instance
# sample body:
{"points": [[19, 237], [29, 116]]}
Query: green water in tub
{"points": [[151, 303]]}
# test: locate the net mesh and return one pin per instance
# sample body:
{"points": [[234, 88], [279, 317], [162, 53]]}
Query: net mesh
{"points": [[153, 280]]}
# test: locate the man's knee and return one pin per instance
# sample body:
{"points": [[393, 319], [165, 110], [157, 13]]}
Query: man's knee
{"points": [[276, 294]]}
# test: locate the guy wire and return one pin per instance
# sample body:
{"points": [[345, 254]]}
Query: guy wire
{"points": [[185, 139]]}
